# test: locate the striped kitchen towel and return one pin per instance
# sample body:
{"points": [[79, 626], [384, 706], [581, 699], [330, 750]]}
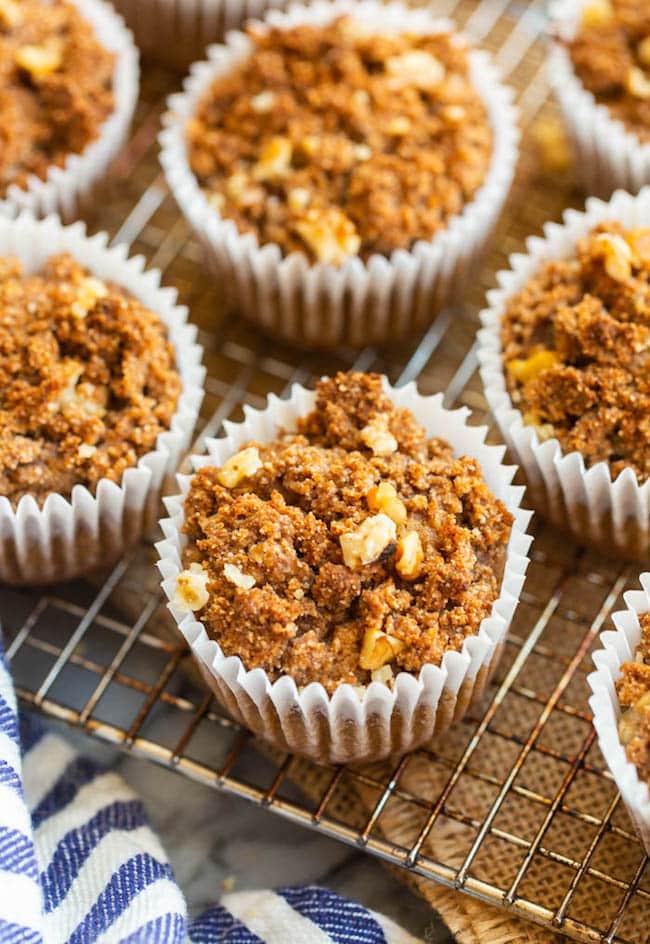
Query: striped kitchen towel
{"points": [[79, 863]]}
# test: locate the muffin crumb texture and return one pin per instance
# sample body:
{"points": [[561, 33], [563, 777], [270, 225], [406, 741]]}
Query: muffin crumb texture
{"points": [[87, 379], [611, 56], [334, 141], [55, 87], [634, 693], [331, 562], [576, 349]]}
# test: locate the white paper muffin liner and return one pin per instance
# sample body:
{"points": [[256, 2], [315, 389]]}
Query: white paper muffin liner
{"points": [[65, 538], [613, 516], [608, 156], [358, 303], [175, 33], [66, 187], [345, 728], [619, 646]]}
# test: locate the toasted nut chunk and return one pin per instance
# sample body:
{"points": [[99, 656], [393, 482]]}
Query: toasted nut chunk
{"points": [[73, 371], [409, 556], [368, 542], [298, 199], [86, 451], [232, 573], [417, 68], [88, 294], [643, 51], [399, 126], [216, 199], [617, 255], [362, 152], [39, 61], [383, 675], [240, 466], [192, 588], [383, 498], [635, 719], [638, 240], [275, 159], [377, 436], [378, 649], [525, 369], [10, 14], [263, 103], [454, 114], [597, 13], [637, 83], [330, 234]]}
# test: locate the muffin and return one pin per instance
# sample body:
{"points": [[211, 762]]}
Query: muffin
{"points": [[68, 87], [342, 175], [338, 552], [620, 704], [100, 386], [564, 365], [599, 68]]}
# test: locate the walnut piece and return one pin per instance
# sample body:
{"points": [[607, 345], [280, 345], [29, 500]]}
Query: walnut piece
{"points": [[378, 649], [330, 234], [377, 436], [637, 83], [409, 556], [617, 255], [368, 542], [86, 451], [263, 103], [383, 498], [635, 719], [40, 61], [236, 576], [416, 67], [191, 588], [89, 292], [239, 467], [275, 159]]}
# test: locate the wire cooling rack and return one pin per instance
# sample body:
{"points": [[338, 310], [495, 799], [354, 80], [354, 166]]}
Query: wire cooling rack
{"points": [[515, 805]]}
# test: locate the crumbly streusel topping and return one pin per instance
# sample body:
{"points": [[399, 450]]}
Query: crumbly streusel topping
{"points": [[335, 142], [576, 343], [611, 56], [87, 379], [347, 551], [55, 87], [634, 693]]}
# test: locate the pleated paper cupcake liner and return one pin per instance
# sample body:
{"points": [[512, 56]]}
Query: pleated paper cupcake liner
{"points": [[608, 156], [175, 33], [345, 727], [620, 646], [66, 188], [68, 537], [611, 515], [358, 303]]}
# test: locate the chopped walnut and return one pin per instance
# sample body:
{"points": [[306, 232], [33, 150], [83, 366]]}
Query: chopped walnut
{"points": [[367, 544], [417, 67], [617, 255], [634, 719], [191, 591], [275, 159], [330, 234], [86, 451], [378, 649], [409, 556], [637, 83], [298, 199], [238, 577], [241, 466], [40, 61], [383, 498], [89, 292], [263, 102], [377, 436]]}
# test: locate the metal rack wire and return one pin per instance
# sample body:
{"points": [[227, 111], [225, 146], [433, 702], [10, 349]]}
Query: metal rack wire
{"points": [[515, 805]]}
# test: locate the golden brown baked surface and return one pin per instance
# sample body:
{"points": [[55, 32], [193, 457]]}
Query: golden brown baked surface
{"points": [[611, 56], [576, 343], [87, 379], [55, 87], [334, 142], [347, 551], [634, 692]]}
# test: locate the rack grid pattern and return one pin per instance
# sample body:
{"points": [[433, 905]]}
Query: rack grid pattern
{"points": [[515, 805]]}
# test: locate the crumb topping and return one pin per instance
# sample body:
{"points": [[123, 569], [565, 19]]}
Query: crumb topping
{"points": [[55, 87], [576, 343], [332, 563], [611, 56], [333, 141], [87, 379], [633, 689]]}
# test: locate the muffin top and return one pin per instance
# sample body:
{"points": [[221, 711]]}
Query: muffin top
{"points": [[334, 142], [87, 379], [55, 87], [576, 349], [634, 693], [347, 551], [611, 56]]}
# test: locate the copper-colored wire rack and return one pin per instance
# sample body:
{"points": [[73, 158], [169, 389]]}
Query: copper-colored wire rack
{"points": [[515, 805]]}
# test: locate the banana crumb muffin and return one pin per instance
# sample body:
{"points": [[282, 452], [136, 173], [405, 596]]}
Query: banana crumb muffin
{"points": [[347, 551], [634, 694], [576, 349], [611, 56], [334, 141], [55, 87], [87, 379]]}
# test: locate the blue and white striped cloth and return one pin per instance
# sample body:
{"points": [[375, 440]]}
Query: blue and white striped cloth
{"points": [[79, 863]]}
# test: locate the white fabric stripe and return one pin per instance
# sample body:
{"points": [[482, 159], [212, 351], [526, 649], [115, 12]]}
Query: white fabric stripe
{"points": [[43, 765], [392, 932], [13, 812], [10, 752], [273, 919], [113, 851], [153, 902], [20, 902], [92, 797]]}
